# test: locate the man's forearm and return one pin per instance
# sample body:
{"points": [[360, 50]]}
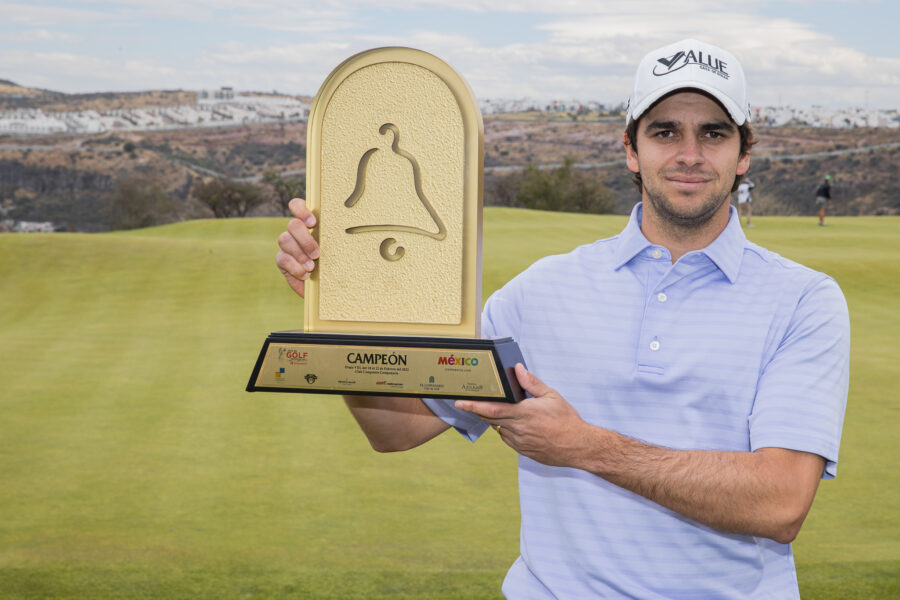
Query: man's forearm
{"points": [[766, 493], [392, 424]]}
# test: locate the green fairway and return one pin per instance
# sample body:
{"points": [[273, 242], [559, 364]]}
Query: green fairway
{"points": [[133, 464]]}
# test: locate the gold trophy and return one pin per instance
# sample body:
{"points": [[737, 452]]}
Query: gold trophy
{"points": [[395, 153]]}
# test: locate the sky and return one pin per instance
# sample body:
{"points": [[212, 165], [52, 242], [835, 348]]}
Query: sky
{"points": [[834, 53]]}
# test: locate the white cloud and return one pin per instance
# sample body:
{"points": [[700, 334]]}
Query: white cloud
{"points": [[583, 49], [55, 70], [29, 36], [36, 15]]}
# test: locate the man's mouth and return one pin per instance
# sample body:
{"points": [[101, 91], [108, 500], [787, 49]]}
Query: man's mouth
{"points": [[688, 182]]}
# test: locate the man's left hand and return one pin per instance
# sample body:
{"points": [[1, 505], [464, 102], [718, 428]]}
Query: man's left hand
{"points": [[545, 427]]}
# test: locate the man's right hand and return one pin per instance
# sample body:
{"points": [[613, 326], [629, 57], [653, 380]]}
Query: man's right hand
{"points": [[298, 247]]}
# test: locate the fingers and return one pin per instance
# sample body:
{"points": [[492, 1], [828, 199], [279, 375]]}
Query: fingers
{"points": [[289, 265], [494, 412], [489, 411], [530, 383], [298, 249], [297, 285], [299, 209], [299, 241], [293, 257]]}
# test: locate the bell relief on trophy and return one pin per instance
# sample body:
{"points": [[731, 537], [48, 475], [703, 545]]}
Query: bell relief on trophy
{"points": [[389, 248], [394, 169]]}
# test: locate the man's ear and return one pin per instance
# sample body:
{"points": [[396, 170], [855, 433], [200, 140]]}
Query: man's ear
{"points": [[631, 158], [743, 164]]}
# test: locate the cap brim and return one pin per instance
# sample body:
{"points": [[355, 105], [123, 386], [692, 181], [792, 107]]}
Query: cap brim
{"points": [[734, 111]]}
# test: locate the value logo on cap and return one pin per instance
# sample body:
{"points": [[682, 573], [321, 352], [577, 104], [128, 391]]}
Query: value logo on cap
{"points": [[681, 59]]}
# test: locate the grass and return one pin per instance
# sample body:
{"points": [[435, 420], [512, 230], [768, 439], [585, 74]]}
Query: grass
{"points": [[133, 464]]}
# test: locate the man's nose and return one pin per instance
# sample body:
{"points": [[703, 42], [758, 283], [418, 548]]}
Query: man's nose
{"points": [[690, 151]]}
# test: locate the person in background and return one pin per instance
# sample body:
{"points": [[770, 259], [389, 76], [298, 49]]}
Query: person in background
{"points": [[823, 197], [745, 199]]}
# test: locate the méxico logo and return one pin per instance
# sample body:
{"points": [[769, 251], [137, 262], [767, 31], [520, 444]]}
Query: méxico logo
{"points": [[457, 361], [681, 59]]}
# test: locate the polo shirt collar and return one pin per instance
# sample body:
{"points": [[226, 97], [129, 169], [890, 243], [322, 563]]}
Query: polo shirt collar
{"points": [[726, 251], [631, 241]]}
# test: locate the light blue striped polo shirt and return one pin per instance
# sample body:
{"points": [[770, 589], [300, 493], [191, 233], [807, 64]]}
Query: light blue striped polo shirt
{"points": [[731, 348]]}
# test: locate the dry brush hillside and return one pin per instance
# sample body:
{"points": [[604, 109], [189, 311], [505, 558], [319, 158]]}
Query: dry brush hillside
{"points": [[70, 180]]}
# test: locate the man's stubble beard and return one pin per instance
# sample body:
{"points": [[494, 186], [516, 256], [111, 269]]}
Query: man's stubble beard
{"points": [[684, 222]]}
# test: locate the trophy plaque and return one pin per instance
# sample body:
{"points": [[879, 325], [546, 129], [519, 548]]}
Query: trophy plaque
{"points": [[395, 151]]}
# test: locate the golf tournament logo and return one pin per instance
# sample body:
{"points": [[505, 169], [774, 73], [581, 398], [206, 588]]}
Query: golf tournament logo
{"points": [[294, 357], [681, 59]]}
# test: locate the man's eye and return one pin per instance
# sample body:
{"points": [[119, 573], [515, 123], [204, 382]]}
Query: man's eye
{"points": [[664, 134]]}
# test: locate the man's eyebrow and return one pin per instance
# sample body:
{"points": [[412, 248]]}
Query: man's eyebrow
{"points": [[718, 126], [661, 125]]}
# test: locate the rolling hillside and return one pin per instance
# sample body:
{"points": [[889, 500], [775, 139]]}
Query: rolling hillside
{"points": [[71, 180]]}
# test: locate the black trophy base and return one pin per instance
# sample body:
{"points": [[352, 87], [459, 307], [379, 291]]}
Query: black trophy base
{"points": [[378, 365]]}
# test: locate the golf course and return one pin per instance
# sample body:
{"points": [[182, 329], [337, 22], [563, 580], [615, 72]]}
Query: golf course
{"points": [[134, 465]]}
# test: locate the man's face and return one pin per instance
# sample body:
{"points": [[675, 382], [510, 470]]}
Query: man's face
{"points": [[688, 157]]}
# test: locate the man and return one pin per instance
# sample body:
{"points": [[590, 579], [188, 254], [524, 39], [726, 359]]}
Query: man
{"points": [[823, 197], [745, 200], [667, 451]]}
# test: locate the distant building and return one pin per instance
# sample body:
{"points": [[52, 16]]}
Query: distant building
{"points": [[223, 93], [28, 226], [30, 122], [223, 107], [829, 118]]}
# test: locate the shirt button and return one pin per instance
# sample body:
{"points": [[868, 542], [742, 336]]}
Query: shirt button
{"points": [[661, 297], [657, 253], [654, 345]]}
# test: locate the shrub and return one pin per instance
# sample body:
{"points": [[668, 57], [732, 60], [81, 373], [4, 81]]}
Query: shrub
{"points": [[228, 198]]}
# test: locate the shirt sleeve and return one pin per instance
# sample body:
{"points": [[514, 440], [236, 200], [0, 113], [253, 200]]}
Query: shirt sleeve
{"points": [[468, 425], [802, 393], [497, 320]]}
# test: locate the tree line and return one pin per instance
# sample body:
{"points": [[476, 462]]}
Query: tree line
{"points": [[142, 202]]}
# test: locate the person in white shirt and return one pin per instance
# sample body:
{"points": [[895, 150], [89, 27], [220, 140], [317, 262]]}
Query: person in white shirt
{"points": [[745, 200]]}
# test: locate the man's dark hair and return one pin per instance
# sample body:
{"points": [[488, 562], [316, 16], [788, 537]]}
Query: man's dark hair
{"points": [[744, 130]]}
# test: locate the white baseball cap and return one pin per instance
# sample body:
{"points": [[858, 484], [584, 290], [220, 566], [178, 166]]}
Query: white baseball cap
{"points": [[690, 64]]}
